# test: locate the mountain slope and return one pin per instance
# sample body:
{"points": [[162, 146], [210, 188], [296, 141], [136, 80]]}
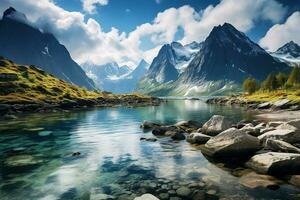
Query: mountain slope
{"points": [[110, 77], [224, 60], [21, 42], [289, 53]]}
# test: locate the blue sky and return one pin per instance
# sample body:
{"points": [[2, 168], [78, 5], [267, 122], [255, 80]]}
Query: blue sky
{"points": [[127, 14], [126, 31]]}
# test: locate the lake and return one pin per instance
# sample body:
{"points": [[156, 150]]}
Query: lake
{"points": [[97, 154]]}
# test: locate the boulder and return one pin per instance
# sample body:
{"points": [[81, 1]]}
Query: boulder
{"points": [[183, 191], [149, 125], [265, 105], [188, 126], [275, 163], [281, 104], [197, 138], [250, 129], [292, 125], [215, 125], [253, 180], [281, 146], [274, 124], [286, 135], [232, 142], [177, 135], [264, 130], [162, 130], [146, 197]]}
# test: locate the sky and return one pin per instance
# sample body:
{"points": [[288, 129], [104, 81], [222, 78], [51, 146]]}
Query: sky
{"points": [[126, 31]]}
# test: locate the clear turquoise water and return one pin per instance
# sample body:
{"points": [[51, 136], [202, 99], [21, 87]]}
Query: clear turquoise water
{"points": [[112, 158]]}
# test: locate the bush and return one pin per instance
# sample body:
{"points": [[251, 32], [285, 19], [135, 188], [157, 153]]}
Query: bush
{"points": [[270, 83]]}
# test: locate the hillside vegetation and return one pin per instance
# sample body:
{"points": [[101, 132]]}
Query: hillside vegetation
{"points": [[21, 84]]}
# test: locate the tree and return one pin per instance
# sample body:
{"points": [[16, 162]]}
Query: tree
{"points": [[270, 83], [294, 77], [249, 85], [281, 79]]}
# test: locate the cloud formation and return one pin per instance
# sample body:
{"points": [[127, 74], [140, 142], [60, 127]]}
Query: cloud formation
{"points": [[280, 34], [90, 5], [86, 41]]}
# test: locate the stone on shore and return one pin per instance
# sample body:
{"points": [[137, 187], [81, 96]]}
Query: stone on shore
{"points": [[197, 138], [292, 125], [275, 163], [281, 146], [232, 142], [265, 105], [215, 125], [281, 104], [250, 129], [290, 136], [146, 197]]}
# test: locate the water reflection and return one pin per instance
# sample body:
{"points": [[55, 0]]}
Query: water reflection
{"points": [[38, 161]]}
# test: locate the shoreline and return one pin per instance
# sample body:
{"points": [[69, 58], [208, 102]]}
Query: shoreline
{"points": [[8, 110]]}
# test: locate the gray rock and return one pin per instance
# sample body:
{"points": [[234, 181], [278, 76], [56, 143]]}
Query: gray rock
{"points": [[197, 138], [274, 124], [286, 135], [264, 130], [281, 146], [149, 125], [292, 125], [281, 104], [160, 131], [275, 163], [183, 191], [146, 197], [265, 105], [163, 196], [215, 125], [97, 194], [232, 142], [188, 125], [178, 136], [149, 139], [250, 129]]}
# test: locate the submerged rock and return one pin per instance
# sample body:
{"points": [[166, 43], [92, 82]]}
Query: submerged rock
{"points": [[161, 131], [215, 125], [183, 191], [281, 146], [22, 160], [197, 138], [146, 197], [177, 135], [253, 180], [149, 139], [232, 142], [275, 163]]}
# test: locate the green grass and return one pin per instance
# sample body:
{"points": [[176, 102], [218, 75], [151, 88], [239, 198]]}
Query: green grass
{"points": [[263, 96], [33, 85]]}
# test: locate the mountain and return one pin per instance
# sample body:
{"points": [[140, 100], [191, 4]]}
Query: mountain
{"points": [[171, 60], [225, 59], [289, 53], [23, 43], [110, 77]]}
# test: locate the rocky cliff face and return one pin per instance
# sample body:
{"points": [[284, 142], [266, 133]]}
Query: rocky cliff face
{"points": [[25, 44]]}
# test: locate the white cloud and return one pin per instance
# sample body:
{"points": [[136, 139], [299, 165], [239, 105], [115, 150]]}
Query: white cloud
{"points": [[280, 34], [90, 5], [86, 41]]}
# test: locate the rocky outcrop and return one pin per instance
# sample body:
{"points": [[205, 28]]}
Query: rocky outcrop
{"points": [[215, 125], [232, 142], [275, 163]]}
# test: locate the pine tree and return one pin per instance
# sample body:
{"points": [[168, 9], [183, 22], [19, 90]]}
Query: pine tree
{"points": [[249, 85], [270, 83], [281, 79], [294, 77]]}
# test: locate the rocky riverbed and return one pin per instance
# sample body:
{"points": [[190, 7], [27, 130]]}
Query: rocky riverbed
{"points": [[270, 150]]}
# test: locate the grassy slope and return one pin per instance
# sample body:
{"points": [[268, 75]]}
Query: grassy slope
{"points": [[263, 96], [33, 85]]}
